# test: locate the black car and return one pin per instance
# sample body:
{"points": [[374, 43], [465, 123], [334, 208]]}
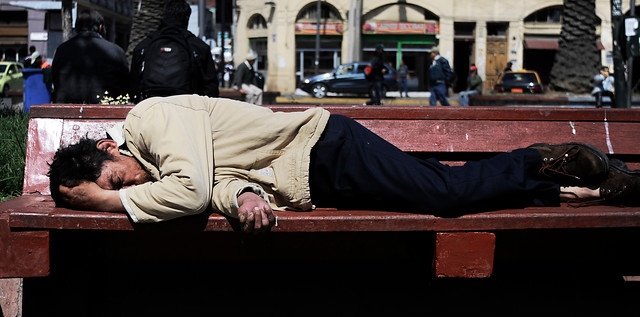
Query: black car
{"points": [[523, 81], [347, 78]]}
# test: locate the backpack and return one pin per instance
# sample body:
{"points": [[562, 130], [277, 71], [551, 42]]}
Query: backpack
{"points": [[168, 64]]}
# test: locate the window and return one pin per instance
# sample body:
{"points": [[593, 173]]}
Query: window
{"points": [[257, 22], [546, 15], [310, 13]]}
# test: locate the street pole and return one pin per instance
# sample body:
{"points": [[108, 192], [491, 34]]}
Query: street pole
{"points": [[632, 46], [618, 62], [67, 20], [202, 8], [317, 61]]}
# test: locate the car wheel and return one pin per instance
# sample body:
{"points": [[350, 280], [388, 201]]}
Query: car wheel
{"points": [[319, 90]]}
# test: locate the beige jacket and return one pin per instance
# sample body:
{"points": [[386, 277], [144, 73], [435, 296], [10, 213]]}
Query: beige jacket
{"points": [[205, 151]]}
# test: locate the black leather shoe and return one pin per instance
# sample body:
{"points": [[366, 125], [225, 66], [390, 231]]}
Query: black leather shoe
{"points": [[622, 187], [576, 164]]}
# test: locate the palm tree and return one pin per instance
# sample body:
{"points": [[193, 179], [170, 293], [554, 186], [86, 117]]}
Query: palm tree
{"points": [[146, 19], [578, 57]]}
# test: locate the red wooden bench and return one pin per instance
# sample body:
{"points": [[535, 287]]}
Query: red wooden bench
{"points": [[462, 247]]}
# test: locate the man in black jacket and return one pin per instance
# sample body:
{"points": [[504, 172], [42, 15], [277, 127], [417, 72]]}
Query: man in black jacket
{"points": [[88, 68], [173, 61], [376, 77]]}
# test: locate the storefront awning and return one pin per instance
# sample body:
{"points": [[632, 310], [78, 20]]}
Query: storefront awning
{"points": [[548, 44], [541, 43]]}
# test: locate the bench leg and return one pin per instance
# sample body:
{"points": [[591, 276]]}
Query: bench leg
{"points": [[464, 254], [23, 253], [11, 297]]}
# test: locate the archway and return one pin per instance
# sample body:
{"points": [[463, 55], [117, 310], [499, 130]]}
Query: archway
{"points": [[306, 27], [408, 32]]}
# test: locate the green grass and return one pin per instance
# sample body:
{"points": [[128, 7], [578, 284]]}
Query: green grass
{"points": [[13, 140]]}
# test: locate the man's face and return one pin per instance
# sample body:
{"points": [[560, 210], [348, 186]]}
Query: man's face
{"points": [[123, 171]]}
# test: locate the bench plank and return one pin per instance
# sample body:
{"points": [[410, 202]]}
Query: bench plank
{"points": [[66, 111], [38, 211]]}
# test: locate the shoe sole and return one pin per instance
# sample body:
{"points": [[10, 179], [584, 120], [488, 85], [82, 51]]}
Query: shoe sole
{"points": [[603, 157]]}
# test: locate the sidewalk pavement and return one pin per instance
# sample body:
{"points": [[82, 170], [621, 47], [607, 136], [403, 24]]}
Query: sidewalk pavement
{"points": [[416, 98]]}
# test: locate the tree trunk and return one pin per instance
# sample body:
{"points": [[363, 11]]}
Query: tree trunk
{"points": [[67, 20], [578, 58], [147, 15]]}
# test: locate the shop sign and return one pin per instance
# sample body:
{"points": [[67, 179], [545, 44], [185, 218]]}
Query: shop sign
{"points": [[400, 28], [38, 36], [325, 28]]}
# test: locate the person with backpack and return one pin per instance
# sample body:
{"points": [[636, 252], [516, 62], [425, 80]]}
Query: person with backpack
{"points": [[173, 61], [247, 81], [440, 74]]}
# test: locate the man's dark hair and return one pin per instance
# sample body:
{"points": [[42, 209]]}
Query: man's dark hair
{"points": [[176, 12], [89, 20], [74, 164]]}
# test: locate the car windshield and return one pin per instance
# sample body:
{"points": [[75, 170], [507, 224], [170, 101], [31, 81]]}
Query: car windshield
{"points": [[519, 78], [3, 68]]}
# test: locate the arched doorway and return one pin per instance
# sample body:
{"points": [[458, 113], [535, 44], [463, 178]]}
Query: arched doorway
{"points": [[257, 33], [541, 35], [408, 32], [306, 27]]}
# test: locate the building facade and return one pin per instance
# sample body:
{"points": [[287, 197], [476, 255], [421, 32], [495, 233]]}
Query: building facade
{"points": [[487, 33]]}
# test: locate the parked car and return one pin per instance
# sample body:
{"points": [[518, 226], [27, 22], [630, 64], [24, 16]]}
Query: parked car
{"points": [[347, 78], [522, 81], [10, 77]]}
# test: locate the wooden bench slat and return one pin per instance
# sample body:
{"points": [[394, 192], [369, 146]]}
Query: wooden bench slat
{"points": [[38, 211], [382, 112], [500, 136]]}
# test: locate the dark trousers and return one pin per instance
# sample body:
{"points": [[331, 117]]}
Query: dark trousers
{"points": [[438, 93], [376, 92], [351, 167], [599, 96]]}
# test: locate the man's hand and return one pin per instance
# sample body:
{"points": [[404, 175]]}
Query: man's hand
{"points": [[254, 213], [89, 196]]}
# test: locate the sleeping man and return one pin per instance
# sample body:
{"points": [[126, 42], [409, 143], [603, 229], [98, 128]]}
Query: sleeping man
{"points": [[182, 155]]}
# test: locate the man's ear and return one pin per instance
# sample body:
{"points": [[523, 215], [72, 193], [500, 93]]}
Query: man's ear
{"points": [[108, 145]]}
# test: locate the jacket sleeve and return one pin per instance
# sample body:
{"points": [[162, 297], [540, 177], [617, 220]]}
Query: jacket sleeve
{"points": [[179, 143]]}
